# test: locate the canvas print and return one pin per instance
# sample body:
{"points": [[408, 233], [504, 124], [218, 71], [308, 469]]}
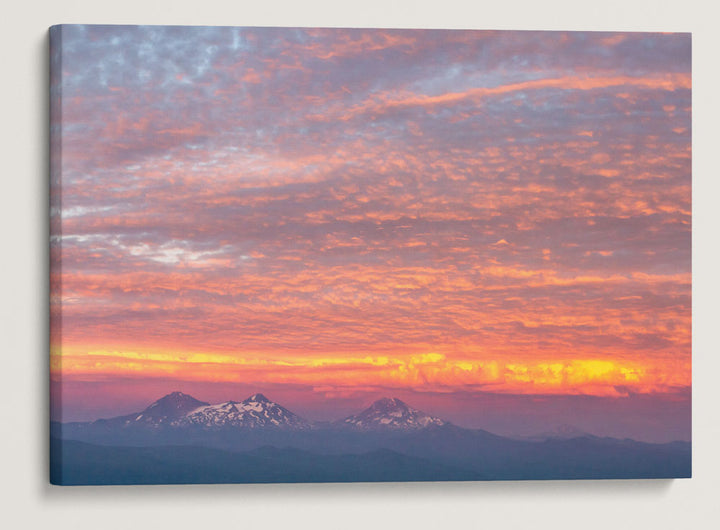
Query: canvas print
{"points": [[339, 255]]}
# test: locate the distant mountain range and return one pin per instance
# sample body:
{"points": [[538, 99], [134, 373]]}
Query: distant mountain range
{"points": [[180, 439], [257, 412]]}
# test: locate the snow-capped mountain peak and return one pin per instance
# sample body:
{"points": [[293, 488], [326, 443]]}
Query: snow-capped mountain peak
{"points": [[391, 413], [257, 411]]}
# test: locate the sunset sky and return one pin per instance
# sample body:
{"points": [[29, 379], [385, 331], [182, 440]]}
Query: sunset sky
{"points": [[493, 226]]}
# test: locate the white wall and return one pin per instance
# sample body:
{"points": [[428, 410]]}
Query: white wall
{"points": [[26, 499]]}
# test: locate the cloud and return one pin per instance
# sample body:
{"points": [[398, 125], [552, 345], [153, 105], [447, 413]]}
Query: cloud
{"points": [[516, 198]]}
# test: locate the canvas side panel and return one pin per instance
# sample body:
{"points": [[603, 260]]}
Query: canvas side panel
{"points": [[55, 251]]}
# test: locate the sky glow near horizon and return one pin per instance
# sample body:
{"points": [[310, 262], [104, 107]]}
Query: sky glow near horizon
{"points": [[358, 213]]}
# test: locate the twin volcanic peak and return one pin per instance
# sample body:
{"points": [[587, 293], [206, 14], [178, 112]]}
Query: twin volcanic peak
{"points": [[257, 411], [182, 410]]}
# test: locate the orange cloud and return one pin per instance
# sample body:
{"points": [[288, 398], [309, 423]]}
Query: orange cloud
{"points": [[423, 371], [383, 102]]}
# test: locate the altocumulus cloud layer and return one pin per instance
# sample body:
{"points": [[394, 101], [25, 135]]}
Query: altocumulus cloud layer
{"points": [[354, 210]]}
